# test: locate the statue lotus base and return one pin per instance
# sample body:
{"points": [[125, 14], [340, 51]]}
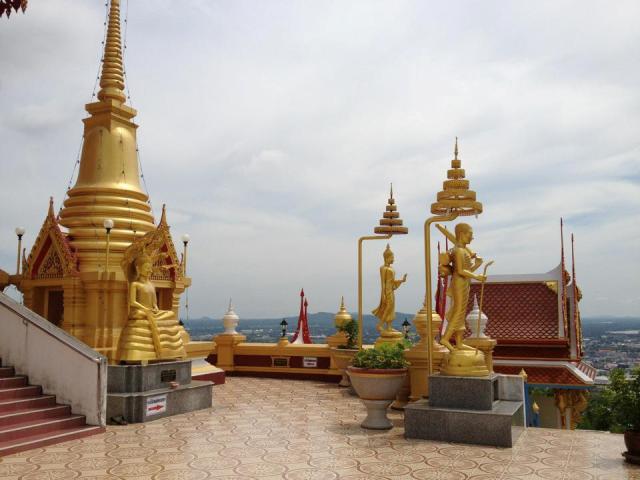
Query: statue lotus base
{"points": [[389, 336], [464, 363]]}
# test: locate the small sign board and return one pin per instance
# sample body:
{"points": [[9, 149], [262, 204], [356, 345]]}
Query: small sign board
{"points": [[168, 376], [156, 405], [310, 362], [280, 362]]}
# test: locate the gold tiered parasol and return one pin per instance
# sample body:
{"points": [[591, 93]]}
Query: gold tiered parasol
{"points": [[391, 223], [455, 196]]}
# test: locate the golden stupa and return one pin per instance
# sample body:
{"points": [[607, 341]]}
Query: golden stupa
{"points": [[73, 275]]}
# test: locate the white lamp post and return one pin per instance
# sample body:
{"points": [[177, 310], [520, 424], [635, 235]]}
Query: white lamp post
{"points": [[185, 241], [108, 225], [19, 232]]}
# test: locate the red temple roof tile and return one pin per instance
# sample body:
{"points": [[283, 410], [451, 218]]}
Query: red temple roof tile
{"points": [[542, 375], [518, 310]]}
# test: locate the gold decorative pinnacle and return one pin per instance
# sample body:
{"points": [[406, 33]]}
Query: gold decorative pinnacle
{"points": [[342, 316], [455, 195], [112, 78], [391, 223]]}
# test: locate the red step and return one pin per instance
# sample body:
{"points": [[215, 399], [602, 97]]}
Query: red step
{"points": [[30, 419], [29, 402], [43, 425], [37, 413], [12, 382], [50, 438], [20, 392]]}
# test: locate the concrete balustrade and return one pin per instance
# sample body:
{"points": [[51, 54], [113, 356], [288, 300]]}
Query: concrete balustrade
{"points": [[50, 357]]}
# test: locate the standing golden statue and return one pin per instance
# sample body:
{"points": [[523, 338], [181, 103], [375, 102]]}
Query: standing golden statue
{"points": [[150, 333], [460, 262], [386, 310]]}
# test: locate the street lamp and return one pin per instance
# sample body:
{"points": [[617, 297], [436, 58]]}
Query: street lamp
{"points": [[390, 224], [19, 232], [185, 241], [455, 200], [405, 327], [108, 225], [283, 328]]}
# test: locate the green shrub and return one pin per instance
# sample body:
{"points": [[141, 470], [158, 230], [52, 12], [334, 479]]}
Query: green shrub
{"points": [[617, 406], [385, 356], [351, 329]]}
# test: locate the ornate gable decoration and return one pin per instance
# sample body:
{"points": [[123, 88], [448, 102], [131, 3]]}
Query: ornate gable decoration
{"points": [[51, 255], [168, 266]]}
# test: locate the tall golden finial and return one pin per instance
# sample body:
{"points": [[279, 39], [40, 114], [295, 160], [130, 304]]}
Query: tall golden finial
{"points": [[455, 150], [112, 78]]}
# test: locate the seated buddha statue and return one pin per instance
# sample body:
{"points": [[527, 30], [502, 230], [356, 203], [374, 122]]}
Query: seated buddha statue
{"points": [[150, 334]]}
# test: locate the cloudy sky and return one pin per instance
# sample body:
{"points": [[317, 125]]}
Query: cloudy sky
{"points": [[272, 130]]}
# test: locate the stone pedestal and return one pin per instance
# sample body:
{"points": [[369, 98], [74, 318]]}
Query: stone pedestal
{"points": [[141, 393], [483, 411]]}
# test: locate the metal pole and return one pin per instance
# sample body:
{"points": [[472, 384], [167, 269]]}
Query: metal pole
{"points": [[360, 320], [19, 255], [184, 259], [427, 268], [106, 266]]}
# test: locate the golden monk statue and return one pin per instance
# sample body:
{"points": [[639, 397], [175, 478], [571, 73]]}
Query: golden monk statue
{"points": [[150, 333], [461, 263], [386, 311]]}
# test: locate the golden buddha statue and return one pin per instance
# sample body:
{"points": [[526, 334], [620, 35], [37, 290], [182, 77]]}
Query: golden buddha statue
{"points": [[386, 310], [461, 263], [150, 333]]}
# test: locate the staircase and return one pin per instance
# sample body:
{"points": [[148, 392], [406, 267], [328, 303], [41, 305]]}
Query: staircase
{"points": [[30, 419]]}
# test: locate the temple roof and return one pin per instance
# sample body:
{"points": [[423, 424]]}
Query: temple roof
{"points": [[527, 310], [565, 375]]}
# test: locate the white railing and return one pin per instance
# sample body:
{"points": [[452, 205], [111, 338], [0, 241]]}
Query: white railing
{"points": [[60, 363]]}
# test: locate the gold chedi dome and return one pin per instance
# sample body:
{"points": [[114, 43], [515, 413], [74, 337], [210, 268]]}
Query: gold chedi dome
{"points": [[342, 317], [391, 223], [455, 195]]}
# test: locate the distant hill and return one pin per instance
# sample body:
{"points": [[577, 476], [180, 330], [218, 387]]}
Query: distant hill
{"points": [[321, 325]]}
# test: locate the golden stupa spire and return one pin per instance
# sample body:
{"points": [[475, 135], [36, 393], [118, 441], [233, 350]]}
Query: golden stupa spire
{"points": [[108, 184], [112, 78]]}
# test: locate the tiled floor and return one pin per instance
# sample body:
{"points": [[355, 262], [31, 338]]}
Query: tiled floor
{"points": [[273, 429]]}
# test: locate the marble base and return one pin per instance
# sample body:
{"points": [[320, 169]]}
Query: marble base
{"points": [[483, 411], [140, 393], [500, 427]]}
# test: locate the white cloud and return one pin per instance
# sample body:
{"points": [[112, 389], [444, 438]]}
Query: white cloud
{"points": [[272, 131]]}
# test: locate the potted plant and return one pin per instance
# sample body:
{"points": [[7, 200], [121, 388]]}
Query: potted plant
{"points": [[625, 410], [377, 374], [343, 354]]}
